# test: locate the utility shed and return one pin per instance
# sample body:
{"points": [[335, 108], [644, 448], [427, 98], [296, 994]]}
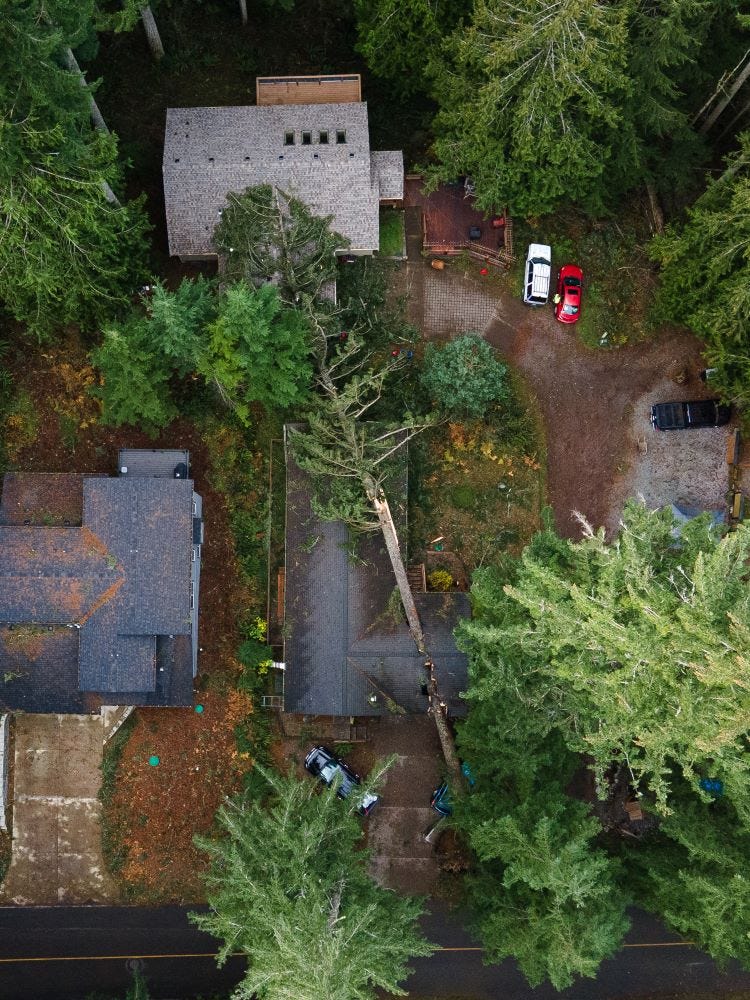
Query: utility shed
{"points": [[343, 645], [316, 152]]}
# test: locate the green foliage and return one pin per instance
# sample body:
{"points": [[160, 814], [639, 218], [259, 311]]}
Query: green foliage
{"points": [[397, 38], [69, 253], [266, 233], [348, 457], [288, 887], [440, 579], [526, 109], [538, 861], [391, 232], [705, 278], [546, 103], [114, 846], [632, 657], [244, 342], [135, 377], [464, 376], [257, 350]]}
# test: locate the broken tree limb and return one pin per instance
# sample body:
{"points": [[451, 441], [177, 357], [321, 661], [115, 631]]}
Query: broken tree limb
{"points": [[729, 94]]}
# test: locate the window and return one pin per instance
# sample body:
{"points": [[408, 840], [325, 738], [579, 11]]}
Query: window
{"points": [[323, 138], [289, 138], [340, 135], [306, 138]]}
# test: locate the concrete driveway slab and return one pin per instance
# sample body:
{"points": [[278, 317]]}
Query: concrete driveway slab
{"points": [[57, 855]]}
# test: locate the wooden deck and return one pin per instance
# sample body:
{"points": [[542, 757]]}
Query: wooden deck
{"points": [[448, 215], [342, 89]]}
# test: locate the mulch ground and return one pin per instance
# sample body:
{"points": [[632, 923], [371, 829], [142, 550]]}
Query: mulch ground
{"points": [[156, 810]]}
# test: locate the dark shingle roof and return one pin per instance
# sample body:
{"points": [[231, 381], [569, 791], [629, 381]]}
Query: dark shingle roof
{"points": [[119, 586], [342, 644]]}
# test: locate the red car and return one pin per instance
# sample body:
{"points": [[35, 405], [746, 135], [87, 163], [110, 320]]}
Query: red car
{"points": [[568, 298]]}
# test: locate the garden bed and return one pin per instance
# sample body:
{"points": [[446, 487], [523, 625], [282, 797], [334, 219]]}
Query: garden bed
{"points": [[481, 493]]}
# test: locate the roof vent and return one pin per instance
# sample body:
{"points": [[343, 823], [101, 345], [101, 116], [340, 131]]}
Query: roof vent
{"points": [[315, 156], [281, 156], [210, 159], [176, 159], [247, 158], [123, 470]]}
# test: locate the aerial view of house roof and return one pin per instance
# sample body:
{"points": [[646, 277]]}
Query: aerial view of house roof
{"points": [[317, 152], [99, 587], [344, 652]]}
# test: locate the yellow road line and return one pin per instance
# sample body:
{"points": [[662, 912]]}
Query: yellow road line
{"points": [[239, 954]]}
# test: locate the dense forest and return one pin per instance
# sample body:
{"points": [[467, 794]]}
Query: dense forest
{"points": [[603, 672]]}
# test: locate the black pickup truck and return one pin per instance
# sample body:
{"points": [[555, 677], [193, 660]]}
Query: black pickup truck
{"points": [[693, 413]]}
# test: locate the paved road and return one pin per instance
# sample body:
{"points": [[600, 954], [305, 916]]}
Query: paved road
{"points": [[65, 953]]}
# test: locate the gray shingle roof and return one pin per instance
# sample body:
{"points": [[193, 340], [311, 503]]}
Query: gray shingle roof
{"points": [[209, 152], [388, 167], [342, 645]]}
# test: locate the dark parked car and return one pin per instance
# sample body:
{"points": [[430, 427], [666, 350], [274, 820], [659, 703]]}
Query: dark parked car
{"points": [[693, 413], [326, 766]]}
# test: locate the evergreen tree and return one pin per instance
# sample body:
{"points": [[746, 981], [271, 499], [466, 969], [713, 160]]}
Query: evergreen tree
{"points": [[630, 660], [530, 99], [705, 276], [243, 341], [288, 887], [544, 894], [134, 377], [397, 38], [268, 235], [68, 252], [257, 350], [464, 376]]}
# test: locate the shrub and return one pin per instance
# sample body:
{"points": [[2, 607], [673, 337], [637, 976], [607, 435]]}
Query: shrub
{"points": [[440, 579], [464, 377]]}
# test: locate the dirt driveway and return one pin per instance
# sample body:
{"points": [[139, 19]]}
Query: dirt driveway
{"points": [[601, 448], [57, 855]]}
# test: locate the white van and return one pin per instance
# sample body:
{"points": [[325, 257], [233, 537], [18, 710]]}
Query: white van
{"points": [[537, 275]]}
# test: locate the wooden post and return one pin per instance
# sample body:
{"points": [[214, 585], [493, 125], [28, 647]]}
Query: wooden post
{"points": [[243, 12]]}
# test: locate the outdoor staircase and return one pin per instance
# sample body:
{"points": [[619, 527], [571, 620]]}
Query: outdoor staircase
{"points": [[417, 579]]}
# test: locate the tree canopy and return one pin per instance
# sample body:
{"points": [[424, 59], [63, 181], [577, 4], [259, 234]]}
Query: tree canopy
{"points": [[705, 276], [627, 662], [464, 376], [242, 341], [265, 234], [288, 887], [69, 253]]}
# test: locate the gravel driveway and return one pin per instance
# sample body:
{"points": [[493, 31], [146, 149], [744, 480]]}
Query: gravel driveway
{"points": [[595, 404]]}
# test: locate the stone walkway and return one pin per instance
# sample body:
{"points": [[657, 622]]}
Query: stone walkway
{"points": [[57, 857], [400, 857]]}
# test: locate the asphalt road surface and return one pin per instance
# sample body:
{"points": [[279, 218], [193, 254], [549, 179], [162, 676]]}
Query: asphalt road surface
{"points": [[67, 953]]}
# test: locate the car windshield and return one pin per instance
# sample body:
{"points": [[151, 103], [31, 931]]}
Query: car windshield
{"points": [[569, 310], [573, 282]]}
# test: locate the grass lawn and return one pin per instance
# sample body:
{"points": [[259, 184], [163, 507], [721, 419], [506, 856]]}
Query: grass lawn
{"points": [[391, 232]]}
